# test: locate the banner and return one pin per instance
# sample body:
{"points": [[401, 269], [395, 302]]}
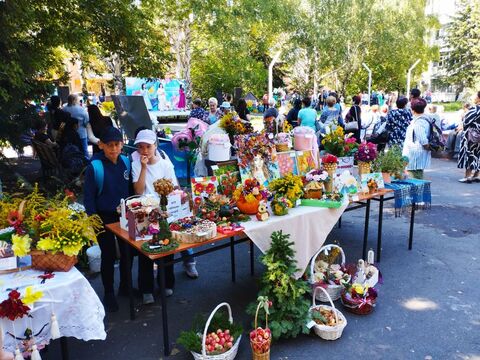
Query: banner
{"points": [[158, 94]]}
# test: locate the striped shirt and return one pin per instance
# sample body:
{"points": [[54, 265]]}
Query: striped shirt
{"points": [[418, 157]]}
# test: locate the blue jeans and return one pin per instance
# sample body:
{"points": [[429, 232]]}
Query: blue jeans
{"points": [[186, 259], [85, 148]]}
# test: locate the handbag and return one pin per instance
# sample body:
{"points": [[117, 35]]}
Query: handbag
{"points": [[473, 136], [352, 125]]}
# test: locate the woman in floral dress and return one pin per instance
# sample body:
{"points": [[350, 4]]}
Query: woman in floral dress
{"points": [[469, 156], [397, 122]]}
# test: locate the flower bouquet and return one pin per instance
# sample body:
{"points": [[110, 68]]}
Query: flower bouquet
{"points": [[280, 205], [339, 144], [359, 298], [189, 139], [290, 186], [52, 232], [314, 186], [253, 145], [326, 273], [367, 152], [233, 125], [248, 196], [260, 338]]}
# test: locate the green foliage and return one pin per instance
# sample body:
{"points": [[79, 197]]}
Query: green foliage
{"points": [[451, 106], [463, 42], [390, 161], [192, 339], [289, 310]]}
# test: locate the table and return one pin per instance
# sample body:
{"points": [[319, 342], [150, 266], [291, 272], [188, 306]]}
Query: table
{"points": [[77, 307], [258, 233]]}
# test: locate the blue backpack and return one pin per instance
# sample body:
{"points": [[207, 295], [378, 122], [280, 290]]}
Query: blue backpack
{"points": [[99, 172]]}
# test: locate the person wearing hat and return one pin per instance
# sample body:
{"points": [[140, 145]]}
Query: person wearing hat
{"points": [[226, 107], [103, 199], [149, 166]]}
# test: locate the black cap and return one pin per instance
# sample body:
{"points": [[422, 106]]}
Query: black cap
{"points": [[111, 134]]}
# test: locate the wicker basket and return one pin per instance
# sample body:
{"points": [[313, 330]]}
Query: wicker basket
{"points": [[334, 291], [324, 331], [357, 308], [48, 261], [228, 355], [256, 355], [282, 147]]}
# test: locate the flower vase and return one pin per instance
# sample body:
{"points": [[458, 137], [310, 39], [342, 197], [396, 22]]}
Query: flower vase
{"points": [[363, 168], [331, 168]]}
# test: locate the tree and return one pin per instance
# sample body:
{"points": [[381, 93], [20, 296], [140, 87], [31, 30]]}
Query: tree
{"points": [[463, 44], [289, 310]]}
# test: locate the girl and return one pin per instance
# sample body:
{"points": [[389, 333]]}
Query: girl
{"points": [[149, 165]]}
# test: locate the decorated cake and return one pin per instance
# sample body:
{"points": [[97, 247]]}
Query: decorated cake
{"points": [[191, 230]]}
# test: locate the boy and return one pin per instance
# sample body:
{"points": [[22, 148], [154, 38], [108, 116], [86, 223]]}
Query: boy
{"points": [[116, 185]]}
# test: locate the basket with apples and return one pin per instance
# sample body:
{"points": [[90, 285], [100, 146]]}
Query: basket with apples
{"points": [[261, 339], [221, 344]]}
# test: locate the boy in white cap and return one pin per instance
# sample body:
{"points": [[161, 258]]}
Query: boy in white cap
{"points": [[147, 167]]}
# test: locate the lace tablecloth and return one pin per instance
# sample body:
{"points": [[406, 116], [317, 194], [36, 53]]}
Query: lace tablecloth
{"points": [[76, 305], [308, 228]]}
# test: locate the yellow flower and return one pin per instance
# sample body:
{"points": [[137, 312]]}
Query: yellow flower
{"points": [[21, 245], [72, 250], [31, 296], [46, 244], [358, 288]]}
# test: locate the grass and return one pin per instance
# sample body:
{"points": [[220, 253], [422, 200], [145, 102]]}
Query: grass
{"points": [[451, 106]]}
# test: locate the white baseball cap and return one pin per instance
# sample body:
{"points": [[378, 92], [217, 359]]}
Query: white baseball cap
{"points": [[146, 136]]}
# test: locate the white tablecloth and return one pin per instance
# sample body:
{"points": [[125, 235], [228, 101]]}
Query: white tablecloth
{"points": [[80, 313], [308, 228]]}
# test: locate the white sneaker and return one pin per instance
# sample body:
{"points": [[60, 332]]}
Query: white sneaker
{"points": [[148, 299], [191, 270], [168, 292]]}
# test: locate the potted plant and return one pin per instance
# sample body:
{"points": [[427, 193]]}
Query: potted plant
{"points": [[367, 152], [390, 163]]}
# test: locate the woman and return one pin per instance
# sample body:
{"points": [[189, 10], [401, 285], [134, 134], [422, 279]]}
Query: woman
{"points": [[307, 116], [469, 157], [242, 110], [99, 123], [213, 114], [331, 116], [397, 123], [416, 146], [146, 97], [354, 115], [292, 116], [181, 98], [162, 98]]}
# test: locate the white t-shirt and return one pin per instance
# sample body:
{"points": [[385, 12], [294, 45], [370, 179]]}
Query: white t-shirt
{"points": [[163, 168]]}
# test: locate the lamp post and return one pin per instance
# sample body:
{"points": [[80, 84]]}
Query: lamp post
{"points": [[369, 81], [270, 74], [409, 74]]}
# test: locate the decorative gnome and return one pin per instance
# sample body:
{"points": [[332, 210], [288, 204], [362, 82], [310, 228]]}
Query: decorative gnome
{"points": [[262, 214]]}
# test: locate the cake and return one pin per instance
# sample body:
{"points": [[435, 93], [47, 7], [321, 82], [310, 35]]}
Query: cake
{"points": [[191, 230]]}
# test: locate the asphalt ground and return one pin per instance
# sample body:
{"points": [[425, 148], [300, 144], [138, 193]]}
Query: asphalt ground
{"points": [[427, 306]]}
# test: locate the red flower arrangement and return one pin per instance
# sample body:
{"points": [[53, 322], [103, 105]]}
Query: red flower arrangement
{"points": [[367, 151], [13, 308], [329, 159]]}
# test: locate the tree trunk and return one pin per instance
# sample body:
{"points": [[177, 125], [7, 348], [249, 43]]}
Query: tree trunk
{"points": [[117, 75]]}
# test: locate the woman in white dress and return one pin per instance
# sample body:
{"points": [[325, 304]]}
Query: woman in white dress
{"points": [[162, 98]]}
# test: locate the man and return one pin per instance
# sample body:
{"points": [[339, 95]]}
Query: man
{"points": [[80, 113]]}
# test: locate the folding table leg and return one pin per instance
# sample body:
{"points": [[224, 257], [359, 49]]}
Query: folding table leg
{"points": [[365, 230], [380, 224], [64, 347], [232, 257], [252, 258], [412, 222], [163, 301]]}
